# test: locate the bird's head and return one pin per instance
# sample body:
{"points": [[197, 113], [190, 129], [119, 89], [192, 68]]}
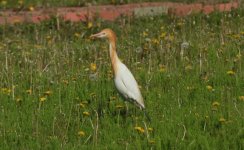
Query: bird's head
{"points": [[105, 33]]}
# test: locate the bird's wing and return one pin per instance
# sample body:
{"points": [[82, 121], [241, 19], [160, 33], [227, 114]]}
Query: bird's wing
{"points": [[129, 85]]}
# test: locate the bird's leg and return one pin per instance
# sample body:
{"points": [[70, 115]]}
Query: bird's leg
{"points": [[126, 109], [118, 118], [135, 111], [146, 114]]}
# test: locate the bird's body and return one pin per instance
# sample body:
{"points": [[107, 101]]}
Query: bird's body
{"points": [[127, 85], [124, 80]]}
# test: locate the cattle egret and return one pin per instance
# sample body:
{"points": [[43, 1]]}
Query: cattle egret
{"points": [[124, 80]]}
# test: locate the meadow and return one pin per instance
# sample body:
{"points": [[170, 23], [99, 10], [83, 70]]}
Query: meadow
{"points": [[57, 90]]}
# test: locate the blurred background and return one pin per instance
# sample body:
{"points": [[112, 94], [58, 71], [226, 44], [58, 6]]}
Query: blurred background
{"points": [[26, 4]]}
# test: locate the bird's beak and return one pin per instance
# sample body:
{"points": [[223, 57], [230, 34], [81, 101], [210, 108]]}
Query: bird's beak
{"points": [[98, 35], [94, 36]]}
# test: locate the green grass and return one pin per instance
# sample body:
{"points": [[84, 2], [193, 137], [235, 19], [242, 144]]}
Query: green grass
{"points": [[25, 4], [53, 62]]}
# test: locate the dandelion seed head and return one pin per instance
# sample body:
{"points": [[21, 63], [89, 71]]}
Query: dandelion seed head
{"points": [[93, 76], [184, 45], [139, 50]]}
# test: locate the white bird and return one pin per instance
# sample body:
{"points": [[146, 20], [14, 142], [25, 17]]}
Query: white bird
{"points": [[124, 80]]}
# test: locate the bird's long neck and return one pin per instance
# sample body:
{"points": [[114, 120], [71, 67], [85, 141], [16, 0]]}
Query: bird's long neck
{"points": [[113, 55]]}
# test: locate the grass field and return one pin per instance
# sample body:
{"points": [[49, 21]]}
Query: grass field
{"points": [[57, 90]]}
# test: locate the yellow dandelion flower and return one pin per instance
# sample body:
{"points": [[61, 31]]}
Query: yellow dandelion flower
{"points": [[4, 2], [222, 120], [113, 1], [65, 81], [29, 91], [236, 36], [162, 68], [6, 91], [190, 88], [110, 74], [241, 98], [144, 33], [18, 99], [188, 67], [150, 129], [210, 88], [37, 46], [31, 8], [43, 98], [48, 93], [93, 94], [48, 37], [84, 102], [82, 105], [112, 98], [93, 67], [119, 106], [20, 2], [179, 24], [139, 129], [151, 142], [215, 104], [230, 72], [3, 89], [86, 113], [238, 56], [77, 35], [155, 41], [89, 25], [171, 37], [206, 117], [81, 133], [163, 35]]}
